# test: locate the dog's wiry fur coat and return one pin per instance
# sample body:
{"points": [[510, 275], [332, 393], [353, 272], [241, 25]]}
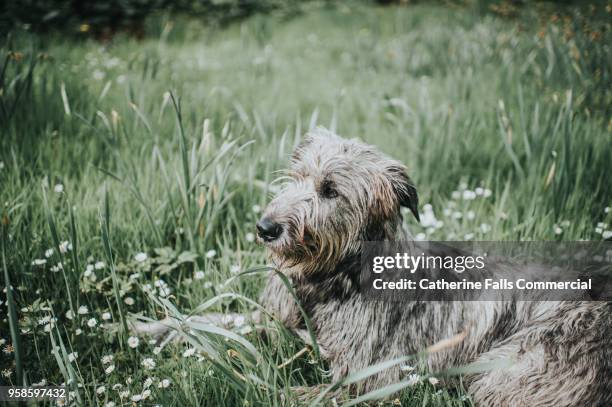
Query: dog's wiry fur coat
{"points": [[561, 351]]}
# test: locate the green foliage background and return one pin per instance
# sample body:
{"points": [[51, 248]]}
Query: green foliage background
{"points": [[167, 143]]}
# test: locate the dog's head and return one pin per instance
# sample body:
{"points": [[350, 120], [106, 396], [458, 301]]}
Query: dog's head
{"points": [[338, 193]]}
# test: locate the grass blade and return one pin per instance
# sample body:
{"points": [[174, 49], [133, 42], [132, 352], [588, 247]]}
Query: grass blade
{"points": [[56, 243], [12, 309], [106, 241]]}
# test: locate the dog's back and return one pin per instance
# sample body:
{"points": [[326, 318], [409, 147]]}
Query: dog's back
{"points": [[532, 353]]}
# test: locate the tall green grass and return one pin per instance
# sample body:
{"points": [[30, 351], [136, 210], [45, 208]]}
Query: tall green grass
{"points": [[169, 147]]}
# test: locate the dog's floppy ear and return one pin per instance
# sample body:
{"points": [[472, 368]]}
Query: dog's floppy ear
{"points": [[404, 189]]}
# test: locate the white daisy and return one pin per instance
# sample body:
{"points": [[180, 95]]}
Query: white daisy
{"points": [[413, 379], [133, 342], [65, 246], [468, 195], [148, 363]]}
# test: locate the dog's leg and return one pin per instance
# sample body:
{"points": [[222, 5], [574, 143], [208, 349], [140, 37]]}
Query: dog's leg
{"points": [[156, 329], [159, 329], [541, 375], [308, 394]]}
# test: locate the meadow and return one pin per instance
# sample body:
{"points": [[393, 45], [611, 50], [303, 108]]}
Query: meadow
{"points": [[132, 174]]}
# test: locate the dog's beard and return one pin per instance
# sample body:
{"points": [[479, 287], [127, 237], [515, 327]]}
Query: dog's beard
{"points": [[305, 253], [292, 251]]}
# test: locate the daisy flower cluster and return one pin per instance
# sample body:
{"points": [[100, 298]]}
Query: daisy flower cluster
{"points": [[604, 227], [458, 215], [146, 273], [63, 248]]}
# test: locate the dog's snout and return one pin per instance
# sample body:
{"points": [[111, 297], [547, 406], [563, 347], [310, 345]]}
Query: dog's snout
{"points": [[269, 230]]}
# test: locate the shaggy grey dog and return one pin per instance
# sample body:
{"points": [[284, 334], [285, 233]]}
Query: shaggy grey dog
{"points": [[342, 193]]}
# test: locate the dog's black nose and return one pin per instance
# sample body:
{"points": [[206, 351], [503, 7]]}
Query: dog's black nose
{"points": [[268, 230]]}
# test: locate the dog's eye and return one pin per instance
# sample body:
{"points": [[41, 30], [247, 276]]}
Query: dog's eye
{"points": [[328, 189]]}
